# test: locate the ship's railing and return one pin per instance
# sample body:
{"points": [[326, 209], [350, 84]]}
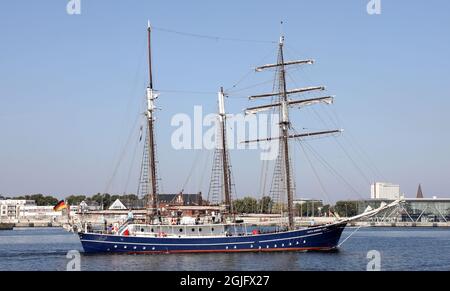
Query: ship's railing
{"points": [[178, 230], [219, 229], [234, 229]]}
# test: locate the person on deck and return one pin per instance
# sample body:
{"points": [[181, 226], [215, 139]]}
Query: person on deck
{"points": [[130, 217]]}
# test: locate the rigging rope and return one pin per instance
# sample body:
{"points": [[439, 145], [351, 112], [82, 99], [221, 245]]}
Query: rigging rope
{"points": [[251, 86], [343, 149], [205, 167], [131, 166], [352, 160], [348, 137], [248, 73], [364, 154], [322, 187], [194, 163], [121, 156], [355, 165], [349, 236], [211, 37], [126, 117], [186, 91], [330, 168]]}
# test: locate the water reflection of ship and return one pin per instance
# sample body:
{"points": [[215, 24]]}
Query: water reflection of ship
{"points": [[159, 234]]}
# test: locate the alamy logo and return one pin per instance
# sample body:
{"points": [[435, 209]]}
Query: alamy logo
{"points": [[374, 7], [73, 7], [374, 263], [75, 261], [192, 134]]}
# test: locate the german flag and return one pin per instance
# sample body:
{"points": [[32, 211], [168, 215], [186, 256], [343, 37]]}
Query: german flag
{"points": [[60, 206]]}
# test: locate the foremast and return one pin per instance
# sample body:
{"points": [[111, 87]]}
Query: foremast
{"points": [[152, 195], [284, 104], [224, 148]]}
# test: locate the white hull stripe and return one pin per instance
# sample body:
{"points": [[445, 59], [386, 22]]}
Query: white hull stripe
{"points": [[295, 237], [159, 244]]}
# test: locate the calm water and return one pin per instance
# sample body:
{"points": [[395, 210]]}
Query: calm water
{"points": [[400, 248]]}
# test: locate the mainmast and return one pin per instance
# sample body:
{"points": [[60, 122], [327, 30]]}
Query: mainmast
{"points": [[225, 170], [284, 128], [151, 96], [284, 104]]}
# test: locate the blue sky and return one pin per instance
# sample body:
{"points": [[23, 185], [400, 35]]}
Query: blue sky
{"points": [[72, 87]]}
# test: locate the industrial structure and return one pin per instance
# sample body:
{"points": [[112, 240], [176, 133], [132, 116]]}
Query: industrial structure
{"points": [[412, 210]]}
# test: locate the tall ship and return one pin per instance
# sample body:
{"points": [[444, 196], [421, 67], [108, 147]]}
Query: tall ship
{"points": [[226, 234]]}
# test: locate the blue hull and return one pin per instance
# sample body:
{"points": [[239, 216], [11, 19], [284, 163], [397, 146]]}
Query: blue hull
{"points": [[315, 238]]}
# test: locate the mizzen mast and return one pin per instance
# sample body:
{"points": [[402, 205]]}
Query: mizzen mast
{"points": [[152, 195], [220, 187], [284, 104]]}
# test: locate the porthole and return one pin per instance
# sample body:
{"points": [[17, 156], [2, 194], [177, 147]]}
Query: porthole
{"points": [[212, 229], [193, 229], [181, 230], [152, 230], [142, 229], [199, 229]]}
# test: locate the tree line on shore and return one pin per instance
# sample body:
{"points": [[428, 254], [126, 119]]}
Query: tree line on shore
{"points": [[243, 205]]}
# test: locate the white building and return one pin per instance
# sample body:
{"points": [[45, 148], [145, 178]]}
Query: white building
{"points": [[10, 208], [16, 209], [380, 190], [117, 205], [34, 212]]}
